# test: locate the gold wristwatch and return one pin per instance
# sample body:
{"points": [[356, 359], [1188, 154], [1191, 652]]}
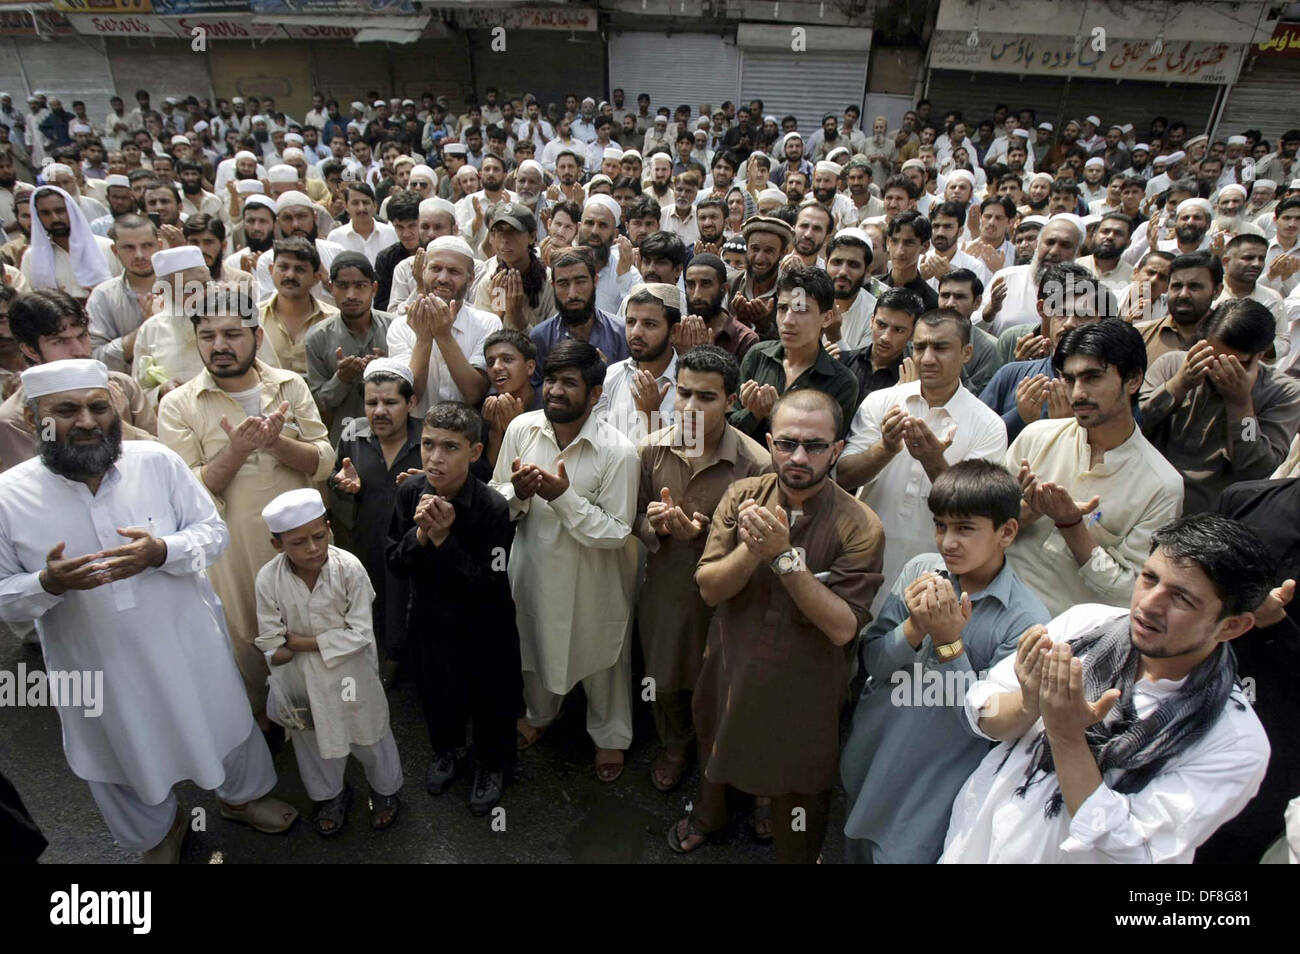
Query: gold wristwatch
{"points": [[948, 650]]}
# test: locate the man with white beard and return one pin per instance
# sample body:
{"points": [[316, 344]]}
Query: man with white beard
{"points": [[615, 272], [1013, 294]]}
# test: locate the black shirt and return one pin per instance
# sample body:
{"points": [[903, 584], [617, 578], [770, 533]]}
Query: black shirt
{"points": [[385, 264], [928, 295], [869, 379]]}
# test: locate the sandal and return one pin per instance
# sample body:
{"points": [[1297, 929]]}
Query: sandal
{"points": [[760, 822], [667, 767], [268, 815], [678, 844], [609, 771], [379, 804], [330, 815], [522, 742]]}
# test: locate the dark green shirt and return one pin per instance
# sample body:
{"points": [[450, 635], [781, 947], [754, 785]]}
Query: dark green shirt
{"points": [[763, 363]]}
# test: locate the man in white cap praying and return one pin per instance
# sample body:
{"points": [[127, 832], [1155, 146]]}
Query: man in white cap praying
{"points": [[615, 272], [314, 627], [119, 306], [1192, 221], [295, 216], [435, 217], [63, 252], [106, 545]]}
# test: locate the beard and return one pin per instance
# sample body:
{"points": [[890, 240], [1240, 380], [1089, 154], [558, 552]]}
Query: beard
{"points": [[797, 479], [1037, 205], [1187, 234], [58, 230], [707, 308], [259, 245], [192, 188], [230, 371], [77, 462], [601, 251], [8, 181], [1107, 251], [261, 137], [824, 196], [650, 354], [578, 316], [565, 415], [941, 243]]}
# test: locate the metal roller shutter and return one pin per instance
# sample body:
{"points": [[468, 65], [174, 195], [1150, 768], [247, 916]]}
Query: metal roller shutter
{"points": [[69, 68], [437, 64], [163, 67], [977, 94], [692, 68], [807, 85], [1264, 98], [547, 63]]}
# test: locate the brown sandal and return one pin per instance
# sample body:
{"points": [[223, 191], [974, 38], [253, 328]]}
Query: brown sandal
{"points": [[610, 771], [665, 766], [678, 844]]}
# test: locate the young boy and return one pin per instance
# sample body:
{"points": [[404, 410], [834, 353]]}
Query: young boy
{"points": [[313, 621], [372, 452], [450, 536], [511, 359], [950, 616]]}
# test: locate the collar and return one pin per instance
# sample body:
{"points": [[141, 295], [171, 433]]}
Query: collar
{"points": [[999, 587], [270, 378], [268, 308], [587, 433], [468, 491]]}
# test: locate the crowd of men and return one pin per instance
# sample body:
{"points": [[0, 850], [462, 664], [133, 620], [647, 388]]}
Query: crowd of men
{"points": [[954, 464]]}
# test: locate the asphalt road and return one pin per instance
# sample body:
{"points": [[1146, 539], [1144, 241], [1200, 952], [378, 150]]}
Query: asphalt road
{"points": [[556, 810]]}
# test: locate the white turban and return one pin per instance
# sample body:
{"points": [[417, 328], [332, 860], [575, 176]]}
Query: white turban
{"points": [[293, 509], [608, 204], [450, 243], [66, 374], [169, 261]]}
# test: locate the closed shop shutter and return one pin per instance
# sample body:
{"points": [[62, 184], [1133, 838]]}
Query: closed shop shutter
{"points": [[547, 63], [436, 65], [245, 69], [691, 68], [805, 85], [1265, 97], [163, 67], [978, 94], [345, 71], [68, 68]]}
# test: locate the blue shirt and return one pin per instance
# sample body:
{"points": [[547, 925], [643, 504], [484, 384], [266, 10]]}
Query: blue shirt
{"points": [[910, 749], [607, 336], [1001, 391]]}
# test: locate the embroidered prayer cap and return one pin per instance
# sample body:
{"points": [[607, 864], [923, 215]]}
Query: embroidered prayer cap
{"points": [[389, 366], [668, 295], [293, 509], [66, 374], [169, 261]]}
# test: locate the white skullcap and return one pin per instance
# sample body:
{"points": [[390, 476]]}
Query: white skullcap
{"points": [[793, 134], [1096, 162], [75, 128], [293, 199], [612, 152], [1041, 175], [389, 366], [123, 182], [357, 104], [450, 243], [1195, 139], [631, 154], [1295, 184], [1177, 156], [1047, 126], [179, 140], [836, 151], [1142, 146], [293, 152], [379, 102], [661, 118], [854, 232], [770, 119], [456, 149], [588, 99], [1232, 187], [1236, 140], [963, 174], [265, 201], [424, 172], [293, 509], [1196, 203], [827, 166], [532, 164], [237, 101], [294, 139], [668, 295], [200, 126], [771, 194], [66, 374], [437, 204], [248, 187], [245, 154], [172, 100], [1095, 120], [465, 171], [701, 125], [282, 173], [599, 179], [1073, 220], [56, 169], [1126, 128], [660, 157], [1039, 220], [608, 204], [259, 118], [1265, 184], [1160, 161], [169, 261], [1090, 220], [1022, 133], [912, 164]]}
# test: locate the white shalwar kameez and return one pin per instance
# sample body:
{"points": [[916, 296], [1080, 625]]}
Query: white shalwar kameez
{"points": [[331, 701], [174, 707]]}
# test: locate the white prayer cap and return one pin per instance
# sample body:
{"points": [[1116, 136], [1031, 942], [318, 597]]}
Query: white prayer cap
{"points": [[1114, 126], [379, 102], [1126, 128], [293, 152], [1090, 220], [659, 157], [837, 151], [608, 204], [293, 509], [265, 201], [358, 105], [1295, 184], [1177, 156], [588, 99], [200, 126], [1073, 220], [293, 139], [282, 173], [1196, 203], [245, 154], [248, 187], [75, 128], [854, 232], [1046, 176], [408, 102], [612, 152], [661, 118], [1096, 162], [1095, 120], [389, 366], [1022, 133], [525, 166], [599, 179], [172, 100], [451, 243], [630, 154], [292, 199], [179, 140], [668, 295], [771, 194], [456, 149], [1160, 161], [437, 204], [702, 124], [169, 261], [466, 171], [770, 119], [1233, 187], [788, 136], [422, 171], [1236, 140], [912, 164], [962, 174], [53, 169], [259, 118], [1142, 147], [123, 182], [827, 166], [1265, 184], [1047, 126], [237, 101], [1039, 220], [1195, 139], [66, 374]]}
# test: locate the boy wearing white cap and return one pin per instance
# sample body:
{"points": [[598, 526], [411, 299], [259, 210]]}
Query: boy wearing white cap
{"points": [[314, 626]]}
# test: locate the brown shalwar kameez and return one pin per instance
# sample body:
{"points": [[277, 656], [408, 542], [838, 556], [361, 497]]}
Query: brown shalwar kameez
{"points": [[673, 619], [768, 698]]}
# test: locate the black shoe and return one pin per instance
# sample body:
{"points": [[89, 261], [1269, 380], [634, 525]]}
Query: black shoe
{"points": [[486, 791], [390, 671], [442, 772]]}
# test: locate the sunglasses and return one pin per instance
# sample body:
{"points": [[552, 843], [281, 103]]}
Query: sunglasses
{"points": [[811, 448]]}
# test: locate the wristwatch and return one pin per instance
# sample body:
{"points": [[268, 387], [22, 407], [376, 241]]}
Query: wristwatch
{"points": [[948, 651], [787, 562]]}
